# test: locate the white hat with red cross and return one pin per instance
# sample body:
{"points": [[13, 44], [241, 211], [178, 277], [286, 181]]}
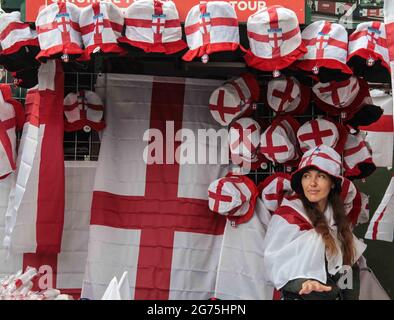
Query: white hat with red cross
{"points": [[273, 189], [58, 32], [369, 42], [322, 131], [286, 95], [15, 34], [274, 39], [234, 98], [234, 197], [11, 119], [153, 26], [83, 110], [211, 27], [101, 25], [322, 158], [278, 143], [357, 158], [244, 136], [343, 98], [327, 45]]}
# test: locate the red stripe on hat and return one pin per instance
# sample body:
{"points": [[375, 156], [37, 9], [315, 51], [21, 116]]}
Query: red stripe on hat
{"points": [[106, 24], [217, 196], [345, 188], [221, 109], [215, 22], [274, 24], [157, 34], [357, 35], [206, 37], [11, 27], [264, 37], [351, 151], [238, 89], [270, 149], [376, 224], [316, 135], [333, 88], [141, 23], [284, 96], [244, 139]]}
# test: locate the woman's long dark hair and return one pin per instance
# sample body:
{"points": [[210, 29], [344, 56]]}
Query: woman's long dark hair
{"points": [[321, 226]]}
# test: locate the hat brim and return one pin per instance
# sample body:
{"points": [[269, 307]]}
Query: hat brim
{"points": [[297, 176]]}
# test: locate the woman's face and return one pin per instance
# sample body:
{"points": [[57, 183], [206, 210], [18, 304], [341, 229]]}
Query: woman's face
{"points": [[317, 186]]}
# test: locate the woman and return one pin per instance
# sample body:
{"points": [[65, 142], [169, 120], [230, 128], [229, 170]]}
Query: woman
{"points": [[309, 247]]}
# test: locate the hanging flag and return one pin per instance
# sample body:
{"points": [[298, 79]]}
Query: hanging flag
{"points": [[381, 226], [65, 270], [34, 219], [380, 135], [151, 218]]}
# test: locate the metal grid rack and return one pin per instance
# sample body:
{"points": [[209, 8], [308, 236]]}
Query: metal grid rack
{"points": [[85, 146]]}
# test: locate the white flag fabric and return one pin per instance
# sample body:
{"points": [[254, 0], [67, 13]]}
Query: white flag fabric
{"points": [[69, 265], [112, 291], [380, 135], [152, 220], [381, 226], [35, 214], [240, 275]]}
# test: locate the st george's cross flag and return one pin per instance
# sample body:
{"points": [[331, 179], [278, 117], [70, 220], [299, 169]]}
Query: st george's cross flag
{"points": [[151, 218], [381, 226], [35, 214], [63, 270]]}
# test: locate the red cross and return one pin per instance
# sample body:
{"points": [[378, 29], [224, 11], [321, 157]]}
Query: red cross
{"points": [[160, 212], [277, 196], [206, 38], [218, 196], [321, 40], [284, 96], [65, 34], [316, 135], [270, 149], [221, 109], [98, 37], [274, 24], [158, 22], [243, 138], [318, 153], [373, 36], [333, 88]]}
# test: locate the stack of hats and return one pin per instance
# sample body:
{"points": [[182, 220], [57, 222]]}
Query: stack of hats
{"points": [[18, 42]]}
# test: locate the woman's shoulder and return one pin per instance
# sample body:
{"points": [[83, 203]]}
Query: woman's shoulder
{"points": [[292, 210]]}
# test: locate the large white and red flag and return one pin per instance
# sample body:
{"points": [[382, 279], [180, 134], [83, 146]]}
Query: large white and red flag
{"points": [[380, 135], [64, 270], [150, 218], [381, 226], [35, 214]]}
